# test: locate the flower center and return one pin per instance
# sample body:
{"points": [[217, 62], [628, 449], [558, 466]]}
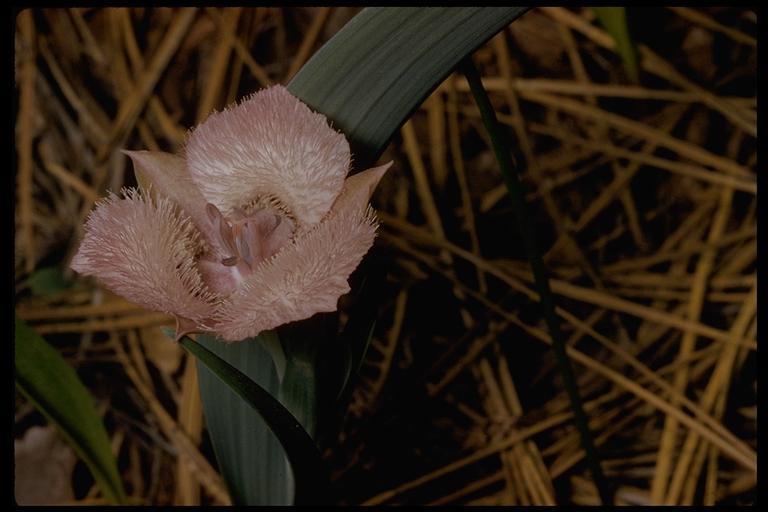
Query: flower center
{"points": [[244, 240]]}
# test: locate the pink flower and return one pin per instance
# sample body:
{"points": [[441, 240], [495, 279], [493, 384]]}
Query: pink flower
{"points": [[256, 226]]}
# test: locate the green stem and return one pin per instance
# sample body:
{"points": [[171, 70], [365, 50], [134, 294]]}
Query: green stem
{"points": [[511, 179]]}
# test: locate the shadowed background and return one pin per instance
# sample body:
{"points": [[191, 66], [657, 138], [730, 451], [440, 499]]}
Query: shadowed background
{"points": [[643, 194]]}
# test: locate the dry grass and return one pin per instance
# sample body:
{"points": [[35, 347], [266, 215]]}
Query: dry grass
{"points": [[644, 195]]}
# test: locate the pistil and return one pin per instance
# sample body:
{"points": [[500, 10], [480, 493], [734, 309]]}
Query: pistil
{"points": [[243, 241]]}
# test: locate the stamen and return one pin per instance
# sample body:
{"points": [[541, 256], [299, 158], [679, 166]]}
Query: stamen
{"points": [[238, 214], [245, 249], [271, 230], [221, 227], [245, 239], [255, 241], [212, 211], [225, 231], [230, 262]]}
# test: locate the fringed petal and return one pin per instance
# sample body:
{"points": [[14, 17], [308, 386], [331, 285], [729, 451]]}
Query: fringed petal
{"points": [[168, 174], [310, 275], [144, 250], [270, 147], [359, 188]]}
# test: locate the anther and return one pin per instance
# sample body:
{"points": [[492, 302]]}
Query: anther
{"points": [[229, 262]]}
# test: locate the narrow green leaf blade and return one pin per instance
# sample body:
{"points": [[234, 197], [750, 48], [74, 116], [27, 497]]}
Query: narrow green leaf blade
{"points": [[301, 342], [510, 172], [309, 472], [614, 19], [56, 390], [251, 460]]}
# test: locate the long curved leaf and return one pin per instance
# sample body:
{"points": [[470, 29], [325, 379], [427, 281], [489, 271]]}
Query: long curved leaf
{"points": [[380, 67], [309, 472], [56, 390], [250, 457]]}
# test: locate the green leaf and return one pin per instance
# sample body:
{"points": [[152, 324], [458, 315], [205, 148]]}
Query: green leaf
{"points": [[311, 482], [47, 281], [614, 20], [301, 343], [44, 377], [367, 80], [380, 67], [509, 172], [251, 459]]}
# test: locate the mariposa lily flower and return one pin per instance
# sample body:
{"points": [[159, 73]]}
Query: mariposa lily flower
{"points": [[255, 226]]}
